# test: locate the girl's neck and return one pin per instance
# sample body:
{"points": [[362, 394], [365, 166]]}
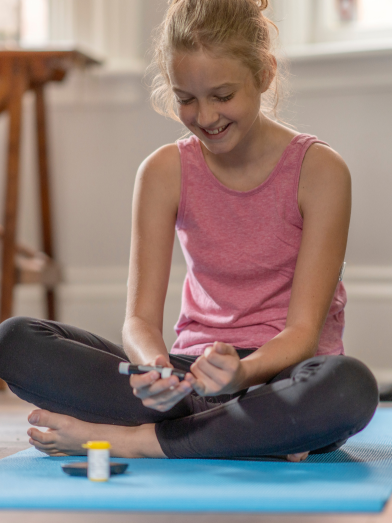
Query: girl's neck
{"points": [[250, 151], [251, 162]]}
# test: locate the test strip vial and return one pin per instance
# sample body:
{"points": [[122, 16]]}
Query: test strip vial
{"points": [[98, 460]]}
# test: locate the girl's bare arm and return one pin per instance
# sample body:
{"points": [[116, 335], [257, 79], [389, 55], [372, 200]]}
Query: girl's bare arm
{"points": [[155, 204], [324, 198]]}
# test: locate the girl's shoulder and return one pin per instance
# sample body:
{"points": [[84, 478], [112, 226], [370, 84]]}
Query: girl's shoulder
{"points": [[158, 180], [162, 168], [324, 176], [163, 159], [326, 162]]}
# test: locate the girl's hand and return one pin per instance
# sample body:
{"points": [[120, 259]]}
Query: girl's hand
{"points": [[156, 393], [217, 371]]}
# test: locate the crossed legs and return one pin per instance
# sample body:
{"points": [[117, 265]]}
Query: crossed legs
{"points": [[72, 376]]}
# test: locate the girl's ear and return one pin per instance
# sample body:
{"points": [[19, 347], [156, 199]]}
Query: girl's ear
{"points": [[268, 75]]}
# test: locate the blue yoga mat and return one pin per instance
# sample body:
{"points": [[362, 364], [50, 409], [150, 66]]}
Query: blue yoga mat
{"points": [[355, 478]]}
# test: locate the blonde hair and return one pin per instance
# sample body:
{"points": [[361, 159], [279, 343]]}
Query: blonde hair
{"points": [[236, 28]]}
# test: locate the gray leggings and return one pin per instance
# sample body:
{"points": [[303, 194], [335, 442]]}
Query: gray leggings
{"points": [[312, 406]]}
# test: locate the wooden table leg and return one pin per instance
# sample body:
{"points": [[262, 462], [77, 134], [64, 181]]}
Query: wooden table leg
{"points": [[18, 85], [46, 214]]}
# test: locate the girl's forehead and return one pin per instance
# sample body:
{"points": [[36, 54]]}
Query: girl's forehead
{"points": [[205, 68]]}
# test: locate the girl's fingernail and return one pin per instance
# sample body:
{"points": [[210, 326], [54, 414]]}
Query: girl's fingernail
{"points": [[33, 418], [172, 387]]}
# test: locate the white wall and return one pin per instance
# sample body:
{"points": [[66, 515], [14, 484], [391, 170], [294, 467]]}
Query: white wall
{"points": [[346, 100], [101, 130]]}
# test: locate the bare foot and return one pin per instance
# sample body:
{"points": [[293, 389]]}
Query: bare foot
{"points": [[296, 458], [65, 435]]}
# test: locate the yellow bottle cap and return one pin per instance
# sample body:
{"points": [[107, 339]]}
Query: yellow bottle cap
{"points": [[97, 445]]}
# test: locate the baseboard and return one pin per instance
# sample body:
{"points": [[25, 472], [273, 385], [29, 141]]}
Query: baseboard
{"points": [[96, 307], [383, 376], [94, 298], [368, 282]]}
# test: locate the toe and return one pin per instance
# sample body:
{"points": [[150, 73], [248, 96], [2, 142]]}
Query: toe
{"points": [[39, 417], [44, 418], [41, 446], [42, 437], [50, 450], [296, 458]]}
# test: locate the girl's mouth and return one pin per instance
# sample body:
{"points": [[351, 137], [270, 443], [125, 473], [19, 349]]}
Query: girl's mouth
{"points": [[216, 133]]}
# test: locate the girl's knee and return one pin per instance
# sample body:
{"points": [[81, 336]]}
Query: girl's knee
{"points": [[343, 388], [18, 336], [13, 332], [354, 388]]}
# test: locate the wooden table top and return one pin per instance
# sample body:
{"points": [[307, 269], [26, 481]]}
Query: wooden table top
{"points": [[46, 53]]}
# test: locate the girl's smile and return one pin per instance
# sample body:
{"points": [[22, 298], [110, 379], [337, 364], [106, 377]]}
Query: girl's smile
{"points": [[216, 134]]}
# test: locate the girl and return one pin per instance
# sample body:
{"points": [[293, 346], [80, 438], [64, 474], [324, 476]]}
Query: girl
{"points": [[262, 214]]}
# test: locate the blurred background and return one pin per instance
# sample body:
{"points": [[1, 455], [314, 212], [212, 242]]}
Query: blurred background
{"points": [[101, 127]]}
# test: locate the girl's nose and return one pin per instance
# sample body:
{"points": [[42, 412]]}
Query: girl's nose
{"points": [[207, 116]]}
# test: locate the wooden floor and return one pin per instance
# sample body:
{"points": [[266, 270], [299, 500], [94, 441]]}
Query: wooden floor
{"points": [[13, 438]]}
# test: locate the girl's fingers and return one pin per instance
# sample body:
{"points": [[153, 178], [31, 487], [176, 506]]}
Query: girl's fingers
{"points": [[204, 385], [218, 355], [167, 386], [158, 387], [140, 381], [200, 388], [217, 375], [166, 400], [190, 378], [161, 360]]}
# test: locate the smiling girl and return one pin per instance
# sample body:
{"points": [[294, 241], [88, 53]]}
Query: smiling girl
{"points": [[262, 214]]}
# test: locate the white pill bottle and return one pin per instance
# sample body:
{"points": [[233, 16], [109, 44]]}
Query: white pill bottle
{"points": [[98, 454]]}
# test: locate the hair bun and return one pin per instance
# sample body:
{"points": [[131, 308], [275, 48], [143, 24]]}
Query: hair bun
{"points": [[263, 4]]}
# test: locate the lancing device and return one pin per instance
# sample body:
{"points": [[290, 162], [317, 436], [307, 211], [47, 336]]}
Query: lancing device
{"points": [[165, 372]]}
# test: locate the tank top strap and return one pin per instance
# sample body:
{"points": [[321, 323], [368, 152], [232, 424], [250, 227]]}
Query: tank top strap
{"points": [[189, 164], [290, 175]]}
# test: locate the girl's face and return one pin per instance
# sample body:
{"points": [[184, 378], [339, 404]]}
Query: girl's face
{"points": [[217, 98]]}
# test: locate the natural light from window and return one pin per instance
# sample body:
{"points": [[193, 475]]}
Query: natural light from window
{"points": [[363, 14], [375, 13], [24, 21], [34, 22]]}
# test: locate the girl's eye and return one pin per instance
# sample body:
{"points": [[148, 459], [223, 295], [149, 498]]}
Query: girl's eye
{"points": [[220, 99], [226, 98], [184, 102]]}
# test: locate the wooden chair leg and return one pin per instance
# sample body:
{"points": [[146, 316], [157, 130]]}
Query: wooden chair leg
{"points": [[46, 212]]}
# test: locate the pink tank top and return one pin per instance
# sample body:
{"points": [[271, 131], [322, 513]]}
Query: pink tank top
{"points": [[241, 250]]}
